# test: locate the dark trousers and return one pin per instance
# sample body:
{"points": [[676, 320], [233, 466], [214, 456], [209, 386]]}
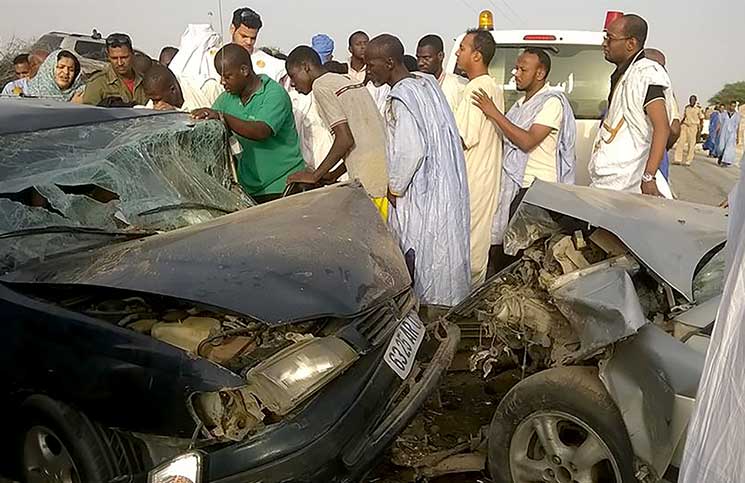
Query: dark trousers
{"points": [[498, 259]]}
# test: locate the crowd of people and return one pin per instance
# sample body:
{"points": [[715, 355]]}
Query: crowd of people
{"points": [[438, 154]]}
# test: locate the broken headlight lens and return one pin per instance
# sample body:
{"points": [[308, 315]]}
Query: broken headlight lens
{"points": [[295, 373], [186, 468]]}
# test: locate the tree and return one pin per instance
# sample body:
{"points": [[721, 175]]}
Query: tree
{"points": [[729, 93]]}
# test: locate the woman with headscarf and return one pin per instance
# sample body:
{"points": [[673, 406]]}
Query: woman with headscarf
{"points": [[59, 77]]}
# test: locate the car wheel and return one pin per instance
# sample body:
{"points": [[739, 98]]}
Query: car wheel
{"points": [[62, 445], [560, 426]]}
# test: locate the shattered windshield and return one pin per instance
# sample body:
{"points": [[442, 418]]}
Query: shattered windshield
{"points": [[709, 281], [154, 173]]}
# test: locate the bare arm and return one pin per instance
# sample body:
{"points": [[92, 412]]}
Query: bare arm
{"points": [[674, 133], [525, 140], [343, 143], [255, 130], [660, 134]]}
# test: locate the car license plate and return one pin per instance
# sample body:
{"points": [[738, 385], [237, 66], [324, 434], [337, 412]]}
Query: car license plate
{"points": [[405, 344]]}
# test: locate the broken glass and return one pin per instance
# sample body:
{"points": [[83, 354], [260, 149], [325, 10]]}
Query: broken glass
{"points": [[148, 173]]}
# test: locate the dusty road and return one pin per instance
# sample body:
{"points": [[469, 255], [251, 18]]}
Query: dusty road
{"points": [[703, 182]]}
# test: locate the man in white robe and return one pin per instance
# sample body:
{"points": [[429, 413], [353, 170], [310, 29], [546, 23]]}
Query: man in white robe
{"points": [[632, 140], [428, 189], [482, 142]]}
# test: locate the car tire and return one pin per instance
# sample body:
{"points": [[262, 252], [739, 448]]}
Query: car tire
{"points": [[560, 425], [59, 441]]}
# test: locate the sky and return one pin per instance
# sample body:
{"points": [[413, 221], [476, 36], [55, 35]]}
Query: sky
{"points": [[704, 39]]}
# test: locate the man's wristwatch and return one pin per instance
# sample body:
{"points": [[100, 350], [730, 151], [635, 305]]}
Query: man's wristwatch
{"points": [[647, 178]]}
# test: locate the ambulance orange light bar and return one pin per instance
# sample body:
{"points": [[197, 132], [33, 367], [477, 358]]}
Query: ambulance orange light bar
{"points": [[486, 20], [539, 37], [610, 17]]}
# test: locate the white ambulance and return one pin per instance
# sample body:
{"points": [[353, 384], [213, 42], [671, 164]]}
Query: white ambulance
{"points": [[577, 67]]}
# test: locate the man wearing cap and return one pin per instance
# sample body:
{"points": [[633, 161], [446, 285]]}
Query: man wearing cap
{"points": [[119, 80]]}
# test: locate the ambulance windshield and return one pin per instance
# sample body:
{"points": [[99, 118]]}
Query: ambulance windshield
{"points": [[578, 70]]}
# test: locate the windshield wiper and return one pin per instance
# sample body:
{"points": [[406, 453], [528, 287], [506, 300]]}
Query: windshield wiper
{"points": [[186, 206], [86, 230]]}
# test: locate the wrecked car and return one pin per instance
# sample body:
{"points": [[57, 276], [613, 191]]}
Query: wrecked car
{"points": [[156, 338], [606, 314]]}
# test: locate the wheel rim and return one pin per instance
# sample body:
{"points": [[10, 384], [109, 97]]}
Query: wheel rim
{"points": [[556, 447], [46, 459]]}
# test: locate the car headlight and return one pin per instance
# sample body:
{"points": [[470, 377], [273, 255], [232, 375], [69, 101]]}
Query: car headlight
{"points": [[295, 373], [186, 468]]}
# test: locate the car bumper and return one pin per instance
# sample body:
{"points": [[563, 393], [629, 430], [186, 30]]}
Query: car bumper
{"points": [[349, 443]]}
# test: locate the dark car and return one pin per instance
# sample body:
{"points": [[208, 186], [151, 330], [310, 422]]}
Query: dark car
{"points": [[275, 343]]}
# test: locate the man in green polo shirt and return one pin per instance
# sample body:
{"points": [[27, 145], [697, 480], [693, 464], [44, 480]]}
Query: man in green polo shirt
{"points": [[259, 111]]}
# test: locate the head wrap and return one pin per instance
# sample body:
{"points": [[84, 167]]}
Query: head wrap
{"points": [[324, 46], [44, 85]]}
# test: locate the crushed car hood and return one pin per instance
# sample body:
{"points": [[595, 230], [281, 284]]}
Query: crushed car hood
{"points": [[323, 253], [670, 237]]}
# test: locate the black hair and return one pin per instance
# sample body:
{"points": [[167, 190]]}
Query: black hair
{"points": [[336, 67], [483, 42], [234, 55], [412, 65], [390, 46], [635, 27], [142, 62], [167, 52], [20, 59], [119, 40], [156, 76], [543, 57], [434, 41], [302, 54], [66, 54], [248, 17], [359, 32]]}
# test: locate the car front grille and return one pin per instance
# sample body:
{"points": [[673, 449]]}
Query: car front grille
{"points": [[376, 325]]}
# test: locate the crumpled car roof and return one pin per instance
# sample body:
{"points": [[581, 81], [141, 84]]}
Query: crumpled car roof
{"points": [[33, 115], [145, 161], [670, 237]]}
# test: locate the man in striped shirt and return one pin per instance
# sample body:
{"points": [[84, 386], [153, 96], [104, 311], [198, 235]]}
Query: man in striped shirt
{"points": [[349, 111]]}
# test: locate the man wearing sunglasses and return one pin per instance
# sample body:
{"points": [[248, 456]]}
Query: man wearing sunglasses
{"points": [[119, 80], [632, 139]]}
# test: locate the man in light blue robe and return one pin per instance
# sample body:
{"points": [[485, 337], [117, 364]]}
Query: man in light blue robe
{"points": [[730, 125], [713, 139], [428, 189]]}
